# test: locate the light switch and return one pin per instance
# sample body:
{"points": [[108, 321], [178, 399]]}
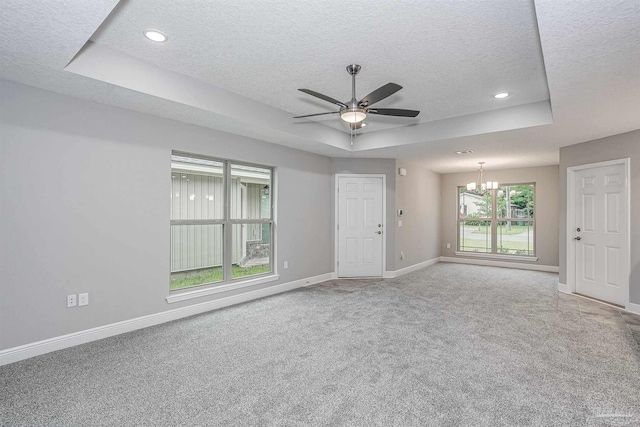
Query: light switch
{"points": [[399, 223]]}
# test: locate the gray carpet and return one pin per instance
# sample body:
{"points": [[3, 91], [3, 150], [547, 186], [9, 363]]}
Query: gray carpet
{"points": [[450, 345]]}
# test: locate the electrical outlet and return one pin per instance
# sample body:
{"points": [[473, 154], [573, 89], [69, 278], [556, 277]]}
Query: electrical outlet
{"points": [[71, 300], [448, 245], [401, 254], [399, 223], [286, 265], [83, 299]]}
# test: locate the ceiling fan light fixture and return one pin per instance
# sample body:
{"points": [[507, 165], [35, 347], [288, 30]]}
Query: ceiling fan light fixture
{"points": [[353, 115]]}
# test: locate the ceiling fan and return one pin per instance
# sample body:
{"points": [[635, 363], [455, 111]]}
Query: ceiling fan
{"points": [[354, 112]]}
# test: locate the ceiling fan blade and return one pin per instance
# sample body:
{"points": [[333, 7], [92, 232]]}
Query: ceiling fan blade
{"points": [[317, 114], [394, 112], [324, 97], [379, 94]]}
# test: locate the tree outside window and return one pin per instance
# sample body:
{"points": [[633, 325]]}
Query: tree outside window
{"points": [[498, 221]]}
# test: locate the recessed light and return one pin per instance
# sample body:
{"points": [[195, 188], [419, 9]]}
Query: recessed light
{"points": [[501, 95], [155, 35], [464, 152]]}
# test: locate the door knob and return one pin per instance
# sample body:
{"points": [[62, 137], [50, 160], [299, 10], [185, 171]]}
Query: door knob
{"points": [[577, 238], [378, 232]]}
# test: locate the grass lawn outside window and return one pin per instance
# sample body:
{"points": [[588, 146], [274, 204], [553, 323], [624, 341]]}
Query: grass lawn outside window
{"points": [[214, 274], [504, 230]]}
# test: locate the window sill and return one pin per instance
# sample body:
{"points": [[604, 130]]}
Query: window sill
{"points": [[498, 256], [197, 293]]}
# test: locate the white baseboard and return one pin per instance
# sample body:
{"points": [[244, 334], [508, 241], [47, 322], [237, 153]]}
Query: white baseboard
{"points": [[633, 308], [26, 351], [490, 263], [411, 268]]}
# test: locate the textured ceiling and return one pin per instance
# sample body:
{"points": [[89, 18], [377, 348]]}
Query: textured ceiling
{"points": [[591, 52], [450, 57]]}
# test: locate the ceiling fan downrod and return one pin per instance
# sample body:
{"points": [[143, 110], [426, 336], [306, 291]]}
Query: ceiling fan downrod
{"points": [[353, 113], [353, 70]]}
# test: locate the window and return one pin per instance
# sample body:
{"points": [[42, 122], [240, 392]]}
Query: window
{"points": [[221, 221], [499, 222]]}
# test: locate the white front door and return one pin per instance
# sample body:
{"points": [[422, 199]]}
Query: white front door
{"points": [[600, 234], [360, 226]]}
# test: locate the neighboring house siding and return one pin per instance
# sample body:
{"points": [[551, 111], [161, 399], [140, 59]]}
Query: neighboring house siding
{"points": [[471, 202], [254, 199], [199, 246]]}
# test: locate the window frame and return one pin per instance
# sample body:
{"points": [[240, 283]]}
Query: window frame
{"points": [[228, 282], [494, 220]]}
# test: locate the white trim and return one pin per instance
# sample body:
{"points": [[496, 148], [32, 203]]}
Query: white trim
{"points": [[624, 160], [26, 351], [517, 265], [197, 293], [596, 301], [411, 268], [497, 256], [571, 250], [337, 215], [633, 308]]}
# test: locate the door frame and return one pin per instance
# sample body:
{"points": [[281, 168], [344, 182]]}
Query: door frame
{"points": [[337, 216], [571, 225]]}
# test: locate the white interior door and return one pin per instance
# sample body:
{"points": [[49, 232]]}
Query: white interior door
{"points": [[600, 234], [360, 226]]}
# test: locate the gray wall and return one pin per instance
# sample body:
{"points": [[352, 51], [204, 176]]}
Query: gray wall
{"points": [[63, 165], [547, 208], [363, 166], [418, 195], [600, 150]]}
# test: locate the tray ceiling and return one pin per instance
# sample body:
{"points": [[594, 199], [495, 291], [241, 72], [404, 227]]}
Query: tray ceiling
{"points": [[237, 67]]}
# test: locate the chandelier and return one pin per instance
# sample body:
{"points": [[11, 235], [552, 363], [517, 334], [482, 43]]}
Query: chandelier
{"points": [[481, 186]]}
